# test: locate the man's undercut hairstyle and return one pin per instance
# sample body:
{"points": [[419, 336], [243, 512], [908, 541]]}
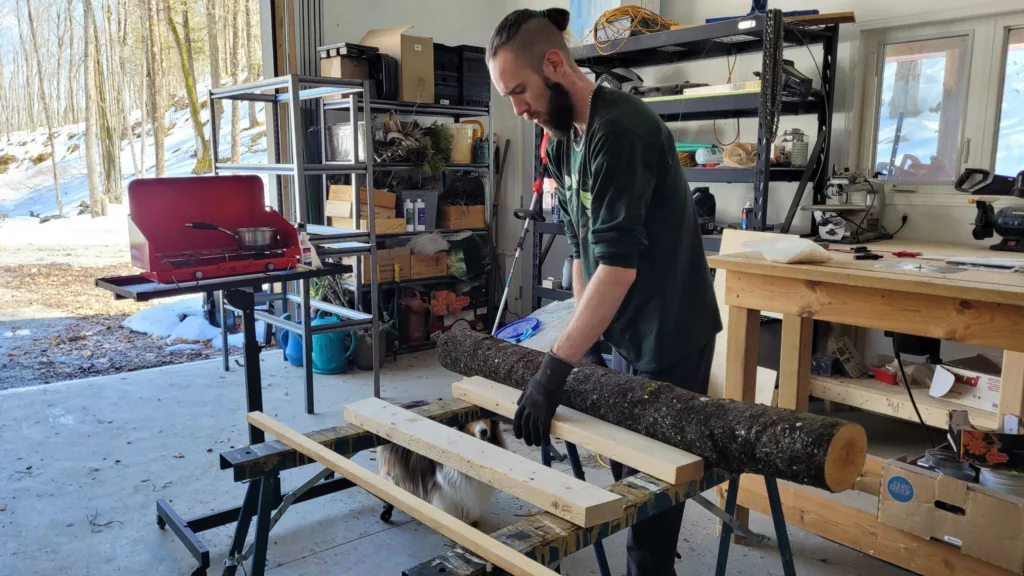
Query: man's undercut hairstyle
{"points": [[531, 34]]}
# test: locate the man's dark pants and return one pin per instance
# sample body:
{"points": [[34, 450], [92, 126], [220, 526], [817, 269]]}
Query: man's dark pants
{"points": [[651, 544]]}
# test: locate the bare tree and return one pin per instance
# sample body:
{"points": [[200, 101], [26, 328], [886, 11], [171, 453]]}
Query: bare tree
{"points": [[154, 77], [203, 148], [92, 171], [70, 109], [109, 144], [236, 68], [251, 59], [44, 103], [30, 93], [214, 49]]}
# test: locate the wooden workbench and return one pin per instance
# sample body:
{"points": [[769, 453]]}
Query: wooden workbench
{"points": [[974, 307]]}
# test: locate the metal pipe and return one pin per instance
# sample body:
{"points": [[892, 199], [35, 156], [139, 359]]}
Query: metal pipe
{"points": [[307, 344], [295, 125], [332, 308], [374, 287]]}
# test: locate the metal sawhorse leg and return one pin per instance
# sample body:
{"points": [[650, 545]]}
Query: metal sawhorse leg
{"points": [[729, 524], [577, 471]]}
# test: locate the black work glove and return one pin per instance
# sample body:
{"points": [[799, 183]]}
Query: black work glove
{"points": [[538, 402]]}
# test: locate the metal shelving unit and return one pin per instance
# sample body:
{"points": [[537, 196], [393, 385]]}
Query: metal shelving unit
{"points": [[329, 242], [722, 39], [353, 106]]}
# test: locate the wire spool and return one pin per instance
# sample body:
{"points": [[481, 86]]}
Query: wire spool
{"points": [[1007, 481], [947, 462], [626, 21]]}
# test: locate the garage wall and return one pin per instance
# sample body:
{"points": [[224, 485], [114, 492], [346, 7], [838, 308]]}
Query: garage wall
{"points": [[346, 20]]}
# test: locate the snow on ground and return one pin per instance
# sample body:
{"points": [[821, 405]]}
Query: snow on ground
{"points": [[27, 189], [181, 323]]}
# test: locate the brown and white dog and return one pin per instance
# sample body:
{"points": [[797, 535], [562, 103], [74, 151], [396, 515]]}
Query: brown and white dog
{"points": [[444, 487]]}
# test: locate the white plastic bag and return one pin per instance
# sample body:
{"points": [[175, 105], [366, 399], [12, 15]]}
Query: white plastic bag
{"points": [[428, 243], [789, 250]]}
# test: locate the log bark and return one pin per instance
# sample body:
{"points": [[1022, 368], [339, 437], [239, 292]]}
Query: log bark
{"points": [[804, 448]]}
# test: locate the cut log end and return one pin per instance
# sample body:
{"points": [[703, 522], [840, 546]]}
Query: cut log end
{"points": [[845, 459]]}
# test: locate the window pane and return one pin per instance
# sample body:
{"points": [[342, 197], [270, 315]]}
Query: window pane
{"points": [[924, 89], [1010, 145]]}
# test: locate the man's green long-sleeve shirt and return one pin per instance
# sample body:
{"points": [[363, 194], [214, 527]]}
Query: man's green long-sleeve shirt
{"points": [[626, 203]]}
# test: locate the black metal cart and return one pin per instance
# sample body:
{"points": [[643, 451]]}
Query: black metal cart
{"points": [[240, 293]]}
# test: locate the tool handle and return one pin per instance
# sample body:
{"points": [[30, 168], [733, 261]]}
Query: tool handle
{"points": [[208, 226]]}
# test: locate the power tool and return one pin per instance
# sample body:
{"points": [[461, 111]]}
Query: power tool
{"points": [[1007, 222]]}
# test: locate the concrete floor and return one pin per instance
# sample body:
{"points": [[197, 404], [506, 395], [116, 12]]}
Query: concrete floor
{"points": [[83, 463]]}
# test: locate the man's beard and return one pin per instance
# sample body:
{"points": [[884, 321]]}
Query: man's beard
{"points": [[558, 119]]}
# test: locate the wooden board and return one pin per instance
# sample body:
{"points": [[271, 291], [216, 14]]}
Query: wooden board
{"points": [[795, 363], [462, 533], [1011, 394], [639, 452], [946, 318], [741, 354], [997, 287], [873, 396], [561, 494], [732, 241], [824, 19], [814, 511]]}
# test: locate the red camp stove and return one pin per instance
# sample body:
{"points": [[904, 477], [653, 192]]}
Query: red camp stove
{"points": [[168, 250]]}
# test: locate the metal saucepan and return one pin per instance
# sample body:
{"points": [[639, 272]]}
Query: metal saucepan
{"points": [[258, 238]]}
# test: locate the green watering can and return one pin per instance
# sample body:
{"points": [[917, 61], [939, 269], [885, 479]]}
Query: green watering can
{"points": [[330, 353]]}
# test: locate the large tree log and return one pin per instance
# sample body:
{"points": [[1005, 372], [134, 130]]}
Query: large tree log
{"points": [[804, 448]]}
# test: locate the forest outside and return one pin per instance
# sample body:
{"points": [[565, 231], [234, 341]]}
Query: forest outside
{"points": [[93, 94]]}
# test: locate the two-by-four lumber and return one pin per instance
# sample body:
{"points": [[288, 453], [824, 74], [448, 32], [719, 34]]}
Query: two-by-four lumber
{"points": [[248, 462], [635, 450], [564, 496], [549, 539], [448, 525]]}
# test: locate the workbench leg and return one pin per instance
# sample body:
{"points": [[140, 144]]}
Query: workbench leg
{"points": [[726, 530], [268, 491], [245, 515], [1011, 394], [741, 376], [577, 471], [795, 363]]}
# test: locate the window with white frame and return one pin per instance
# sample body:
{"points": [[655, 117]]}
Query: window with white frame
{"points": [[939, 98]]}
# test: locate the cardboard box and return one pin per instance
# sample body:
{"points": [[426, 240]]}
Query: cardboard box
{"points": [[344, 209], [343, 192], [415, 55], [386, 260], [981, 522], [973, 382], [429, 265], [1001, 449], [344, 67], [382, 225], [462, 217]]}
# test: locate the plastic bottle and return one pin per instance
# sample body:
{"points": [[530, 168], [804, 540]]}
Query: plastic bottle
{"points": [[745, 215], [410, 215], [307, 249], [421, 215]]}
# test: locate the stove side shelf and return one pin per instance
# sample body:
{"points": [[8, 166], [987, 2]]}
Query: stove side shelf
{"points": [[141, 289]]}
